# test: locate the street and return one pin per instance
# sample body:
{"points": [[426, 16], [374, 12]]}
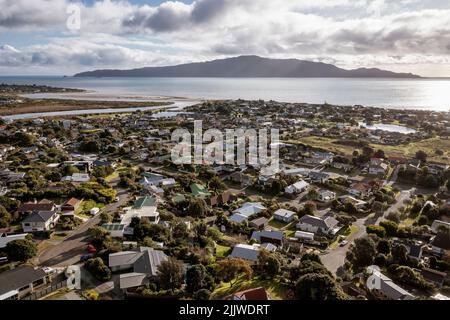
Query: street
{"points": [[68, 251], [335, 258]]}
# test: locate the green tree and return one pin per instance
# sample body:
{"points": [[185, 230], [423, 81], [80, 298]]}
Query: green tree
{"points": [[269, 264], [21, 250], [421, 155], [5, 217], [197, 207], [232, 268], [170, 274], [98, 268], [390, 226], [317, 287], [378, 230], [384, 246], [362, 253], [197, 278], [216, 184]]}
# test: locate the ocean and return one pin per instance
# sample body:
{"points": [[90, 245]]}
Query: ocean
{"points": [[427, 93]]}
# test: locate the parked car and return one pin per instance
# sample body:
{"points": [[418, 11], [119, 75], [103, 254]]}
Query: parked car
{"points": [[91, 249], [343, 243], [86, 257], [3, 260], [49, 270]]}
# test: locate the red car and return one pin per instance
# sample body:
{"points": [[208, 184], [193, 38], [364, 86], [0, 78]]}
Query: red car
{"points": [[91, 249]]}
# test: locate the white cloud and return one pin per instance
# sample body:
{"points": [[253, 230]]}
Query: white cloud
{"points": [[351, 33]]}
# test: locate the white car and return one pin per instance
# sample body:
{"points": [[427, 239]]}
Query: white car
{"points": [[49, 270], [343, 243]]}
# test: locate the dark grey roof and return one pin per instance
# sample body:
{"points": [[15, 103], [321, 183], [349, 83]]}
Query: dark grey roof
{"points": [[41, 216], [415, 250], [442, 240], [18, 278], [149, 261], [277, 235]]}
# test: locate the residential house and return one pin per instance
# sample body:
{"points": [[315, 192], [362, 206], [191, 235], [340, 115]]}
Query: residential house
{"points": [[77, 178], [256, 294], [239, 177], [440, 244], [150, 179], [360, 190], [246, 211], [40, 221], [439, 225], [246, 252], [259, 223], [199, 191], [42, 205], [377, 167], [385, 287], [318, 225], [224, 198], [116, 230], [142, 266], [143, 208], [318, 176], [326, 195], [20, 282], [304, 236], [71, 205], [268, 236], [437, 278], [284, 215], [296, 188]]}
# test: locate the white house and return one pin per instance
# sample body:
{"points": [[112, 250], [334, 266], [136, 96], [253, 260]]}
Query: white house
{"points": [[305, 236], [284, 215], [246, 211], [40, 221], [326, 195], [313, 224], [297, 187]]}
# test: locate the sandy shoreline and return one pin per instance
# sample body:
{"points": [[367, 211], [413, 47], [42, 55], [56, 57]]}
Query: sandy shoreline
{"points": [[97, 96]]}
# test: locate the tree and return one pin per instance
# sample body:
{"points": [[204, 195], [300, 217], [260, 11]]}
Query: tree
{"points": [[105, 217], [313, 194], [362, 253], [377, 206], [317, 287], [197, 278], [170, 274], [384, 246], [232, 268], [21, 250], [378, 230], [421, 155], [216, 184], [379, 154], [98, 268], [5, 217], [100, 237], [390, 226], [268, 264], [399, 254], [309, 208], [197, 208]]}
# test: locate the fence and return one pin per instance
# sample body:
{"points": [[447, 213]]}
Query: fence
{"points": [[46, 291]]}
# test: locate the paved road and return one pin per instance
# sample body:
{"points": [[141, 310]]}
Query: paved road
{"points": [[335, 258], [68, 252]]}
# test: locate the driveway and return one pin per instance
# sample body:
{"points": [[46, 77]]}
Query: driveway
{"points": [[68, 251]]}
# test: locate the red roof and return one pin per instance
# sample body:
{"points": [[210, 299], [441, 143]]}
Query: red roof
{"points": [[251, 294]]}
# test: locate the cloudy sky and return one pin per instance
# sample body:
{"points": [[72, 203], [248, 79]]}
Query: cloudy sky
{"points": [[50, 37]]}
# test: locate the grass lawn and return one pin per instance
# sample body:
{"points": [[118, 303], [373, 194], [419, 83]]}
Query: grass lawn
{"points": [[59, 236], [86, 206], [408, 222], [222, 251], [276, 224], [276, 290]]}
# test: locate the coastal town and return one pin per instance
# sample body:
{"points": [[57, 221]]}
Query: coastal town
{"points": [[362, 197]]}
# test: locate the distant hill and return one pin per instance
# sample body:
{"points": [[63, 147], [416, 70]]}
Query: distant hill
{"points": [[250, 67]]}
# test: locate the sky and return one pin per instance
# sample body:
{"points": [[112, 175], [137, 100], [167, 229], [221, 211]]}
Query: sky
{"points": [[63, 37]]}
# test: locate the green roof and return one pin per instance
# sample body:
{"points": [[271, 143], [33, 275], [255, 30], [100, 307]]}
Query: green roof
{"points": [[144, 202], [198, 190]]}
